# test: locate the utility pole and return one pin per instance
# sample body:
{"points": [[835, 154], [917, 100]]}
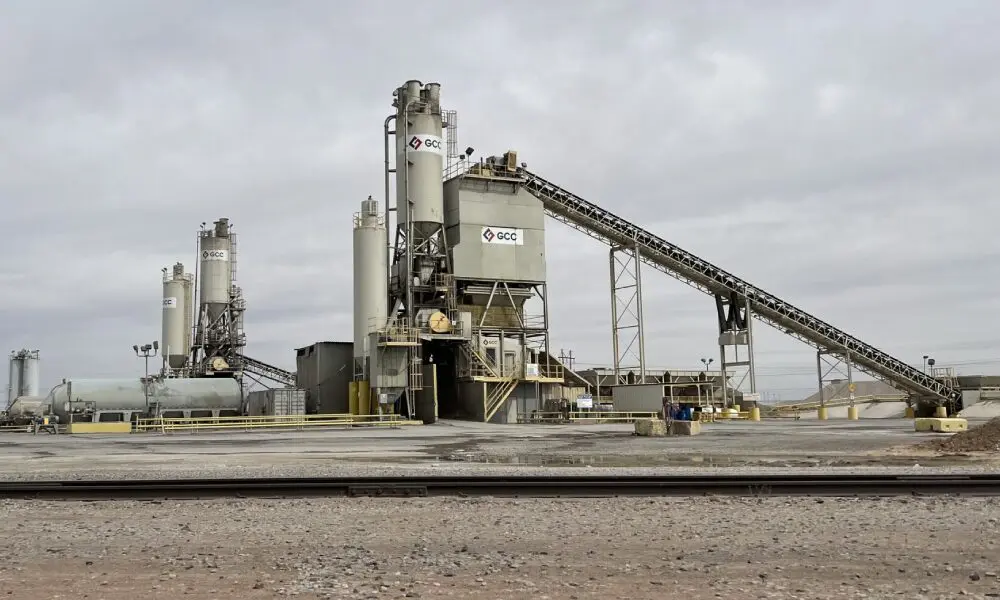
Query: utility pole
{"points": [[146, 351]]}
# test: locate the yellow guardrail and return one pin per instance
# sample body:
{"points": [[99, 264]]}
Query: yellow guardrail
{"points": [[271, 422], [584, 417]]}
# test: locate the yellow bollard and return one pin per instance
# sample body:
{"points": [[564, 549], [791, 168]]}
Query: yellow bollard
{"points": [[364, 398], [352, 397], [852, 413], [821, 413], [755, 413], [941, 412], [909, 413]]}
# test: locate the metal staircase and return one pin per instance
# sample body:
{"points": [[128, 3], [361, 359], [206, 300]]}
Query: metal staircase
{"points": [[498, 390], [684, 266], [498, 394]]}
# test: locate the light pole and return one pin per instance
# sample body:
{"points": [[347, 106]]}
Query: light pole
{"points": [[146, 351], [707, 361], [928, 362]]}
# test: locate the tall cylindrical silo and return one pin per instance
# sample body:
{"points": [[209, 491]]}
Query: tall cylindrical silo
{"points": [[13, 378], [370, 286], [30, 372], [176, 334], [420, 153], [216, 269]]}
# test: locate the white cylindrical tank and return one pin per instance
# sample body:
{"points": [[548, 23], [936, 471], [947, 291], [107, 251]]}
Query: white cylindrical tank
{"points": [[30, 373], [216, 268], [176, 335], [13, 378], [420, 154], [24, 406], [370, 286], [92, 395]]}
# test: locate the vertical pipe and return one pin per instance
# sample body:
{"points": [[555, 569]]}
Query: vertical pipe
{"points": [[389, 248], [545, 319], [638, 311]]}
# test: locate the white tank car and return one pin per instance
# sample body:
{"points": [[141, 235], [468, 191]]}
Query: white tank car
{"points": [[27, 406], [125, 399]]}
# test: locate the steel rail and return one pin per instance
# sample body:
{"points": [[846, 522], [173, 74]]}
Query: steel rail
{"points": [[519, 486]]}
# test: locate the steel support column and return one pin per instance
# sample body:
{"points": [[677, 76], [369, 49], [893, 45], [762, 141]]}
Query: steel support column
{"points": [[827, 364], [627, 336]]}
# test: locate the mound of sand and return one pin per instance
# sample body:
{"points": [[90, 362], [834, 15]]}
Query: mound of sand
{"points": [[984, 438]]}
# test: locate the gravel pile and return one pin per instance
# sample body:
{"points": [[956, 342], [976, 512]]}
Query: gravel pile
{"points": [[573, 549], [983, 438]]}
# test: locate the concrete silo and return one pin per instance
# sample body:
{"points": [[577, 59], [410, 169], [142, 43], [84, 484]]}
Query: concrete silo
{"points": [[23, 374], [30, 372], [420, 155], [13, 379], [370, 285], [178, 316], [216, 269]]}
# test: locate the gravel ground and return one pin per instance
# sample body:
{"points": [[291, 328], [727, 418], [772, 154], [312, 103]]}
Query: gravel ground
{"points": [[696, 549], [361, 469]]}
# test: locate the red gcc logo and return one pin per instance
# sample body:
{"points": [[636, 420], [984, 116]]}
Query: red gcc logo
{"points": [[416, 143], [488, 235]]}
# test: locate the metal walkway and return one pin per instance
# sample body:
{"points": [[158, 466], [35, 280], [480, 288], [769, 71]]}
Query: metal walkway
{"points": [[684, 266]]}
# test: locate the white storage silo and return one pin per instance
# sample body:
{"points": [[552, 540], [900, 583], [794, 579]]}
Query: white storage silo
{"points": [[13, 378], [30, 372], [370, 286], [216, 269], [420, 154], [177, 316], [23, 374]]}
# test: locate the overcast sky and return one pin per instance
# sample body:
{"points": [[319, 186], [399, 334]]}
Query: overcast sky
{"points": [[841, 155]]}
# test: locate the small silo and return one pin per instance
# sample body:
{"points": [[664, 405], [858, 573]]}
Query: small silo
{"points": [[370, 286], [216, 269], [178, 314]]}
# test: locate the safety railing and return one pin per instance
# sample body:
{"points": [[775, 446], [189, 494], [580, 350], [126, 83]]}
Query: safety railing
{"points": [[830, 403], [165, 425], [399, 335], [583, 417]]}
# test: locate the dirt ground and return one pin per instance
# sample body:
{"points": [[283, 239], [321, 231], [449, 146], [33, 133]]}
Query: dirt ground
{"points": [[695, 549]]}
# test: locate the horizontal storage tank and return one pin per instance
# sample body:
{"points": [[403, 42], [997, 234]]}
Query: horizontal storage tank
{"points": [[91, 396], [25, 406]]}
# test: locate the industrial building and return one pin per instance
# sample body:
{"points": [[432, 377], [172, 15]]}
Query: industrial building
{"points": [[451, 310]]}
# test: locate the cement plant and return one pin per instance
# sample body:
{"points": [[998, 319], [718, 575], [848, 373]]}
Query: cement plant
{"points": [[451, 319], [451, 386]]}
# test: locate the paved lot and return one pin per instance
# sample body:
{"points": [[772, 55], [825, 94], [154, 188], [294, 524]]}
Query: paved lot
{"points": [[447, 445]]}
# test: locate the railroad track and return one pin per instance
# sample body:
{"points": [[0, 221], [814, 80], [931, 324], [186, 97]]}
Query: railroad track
{"points": [[502, 486]]}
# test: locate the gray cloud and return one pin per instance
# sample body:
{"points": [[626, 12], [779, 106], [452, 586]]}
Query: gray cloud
{"points": [[841, 157]]}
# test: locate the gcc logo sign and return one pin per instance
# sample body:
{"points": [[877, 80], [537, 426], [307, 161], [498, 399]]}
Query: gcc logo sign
{"points": [[214, 255], [425, 143], [503, 235]]}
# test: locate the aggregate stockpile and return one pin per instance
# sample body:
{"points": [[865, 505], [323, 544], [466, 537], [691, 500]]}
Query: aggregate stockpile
{"points": [[984, 438]]}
